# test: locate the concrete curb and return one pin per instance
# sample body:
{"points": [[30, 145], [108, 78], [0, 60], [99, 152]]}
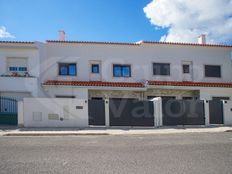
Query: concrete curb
{"points": [[99, 132], [52, 134], [11, 134]]}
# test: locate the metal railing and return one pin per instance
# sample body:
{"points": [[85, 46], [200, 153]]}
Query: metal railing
{"points": [[8, 105]]}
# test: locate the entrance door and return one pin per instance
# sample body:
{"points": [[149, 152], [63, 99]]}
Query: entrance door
{"points": [[215, 112], [187, 70], [96, 112]]}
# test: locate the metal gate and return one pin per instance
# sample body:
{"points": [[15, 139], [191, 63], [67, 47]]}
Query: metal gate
{"points": [[216, 112], [125, 112], [96, 112], [8, 111], [183, 112]]}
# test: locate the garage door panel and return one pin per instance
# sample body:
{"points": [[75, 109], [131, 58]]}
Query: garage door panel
{"points": [[131, 113], [183, 112]]}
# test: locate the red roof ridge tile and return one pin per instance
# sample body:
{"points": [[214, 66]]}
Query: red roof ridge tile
{"points": [[141, 42], [190, 83], [188, 44], [136, 84], [92, 42], [17, 42]]}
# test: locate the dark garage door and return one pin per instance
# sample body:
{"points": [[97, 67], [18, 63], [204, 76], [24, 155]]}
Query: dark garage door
{"points": [[124, 112], [96, 112], [215, 112], [183, 112]]}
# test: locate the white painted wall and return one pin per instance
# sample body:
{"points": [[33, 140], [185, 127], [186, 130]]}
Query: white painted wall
{"points": [[208, 93], [227, 112], [140, 57], [158, 113], [31, 53], [37, 111], [14, 85], [20, 85], [20, 114], [79, 93]]}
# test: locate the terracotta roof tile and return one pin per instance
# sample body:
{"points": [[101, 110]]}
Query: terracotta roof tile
{"points": [[92, 42], [135, 84], [16, 42], [188, 44], [142, 42], [94, 83], [188, 83]]}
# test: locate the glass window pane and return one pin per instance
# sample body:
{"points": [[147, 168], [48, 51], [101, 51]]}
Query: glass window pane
{"points": [[186, 69], [63, 70], [22, 68], [95, 68], [212, 71], [72, 69], [12, 68], [117, 71], [126, 71], [161, 68]]}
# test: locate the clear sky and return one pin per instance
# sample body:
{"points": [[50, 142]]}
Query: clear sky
{"points": [[87, 20], [117, 20]]}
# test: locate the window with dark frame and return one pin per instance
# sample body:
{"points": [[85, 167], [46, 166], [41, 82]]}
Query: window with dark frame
{"points": [[121, 70], [16, 68], [220, 98], [186, 68], [67, 69], [161, 69], [95, 68], [212, 71], [65, 96]]}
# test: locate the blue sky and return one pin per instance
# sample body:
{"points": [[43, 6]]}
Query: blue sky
{"points": [[117, 20], [87, 20]]}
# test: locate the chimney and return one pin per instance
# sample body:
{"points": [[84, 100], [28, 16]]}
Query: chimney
{"points": [[61, 35], [202, 39]]}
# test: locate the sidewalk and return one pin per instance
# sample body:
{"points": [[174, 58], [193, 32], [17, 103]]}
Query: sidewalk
{"points": [[15, 131]]}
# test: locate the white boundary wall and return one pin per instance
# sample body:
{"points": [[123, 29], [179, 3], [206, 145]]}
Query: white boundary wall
{"points": [[227, 112], [158, 113], [55, 112]]}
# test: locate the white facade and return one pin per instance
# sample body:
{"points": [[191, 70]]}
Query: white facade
{"points": [[42, 62], [19, 55], [140, 57]]}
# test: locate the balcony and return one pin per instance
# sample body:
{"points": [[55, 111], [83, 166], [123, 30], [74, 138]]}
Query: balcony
{"points": [[18, 83]]}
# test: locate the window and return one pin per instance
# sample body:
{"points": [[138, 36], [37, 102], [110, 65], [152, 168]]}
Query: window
{"points": [[121, 70], [67, 69], [24, 69], [220, 98], [212, 71], [186, 69], [161, 69], [96, 98], [187, 98], [168, 97], [17, 64], [95, 68], [65, 96], [13, 68]]}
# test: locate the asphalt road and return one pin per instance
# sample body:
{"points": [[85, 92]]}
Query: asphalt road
{"points": [[179, 153]]}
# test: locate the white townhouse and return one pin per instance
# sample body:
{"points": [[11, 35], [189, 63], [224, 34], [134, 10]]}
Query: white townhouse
{"points": [[19, 69], [103, 70]]}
